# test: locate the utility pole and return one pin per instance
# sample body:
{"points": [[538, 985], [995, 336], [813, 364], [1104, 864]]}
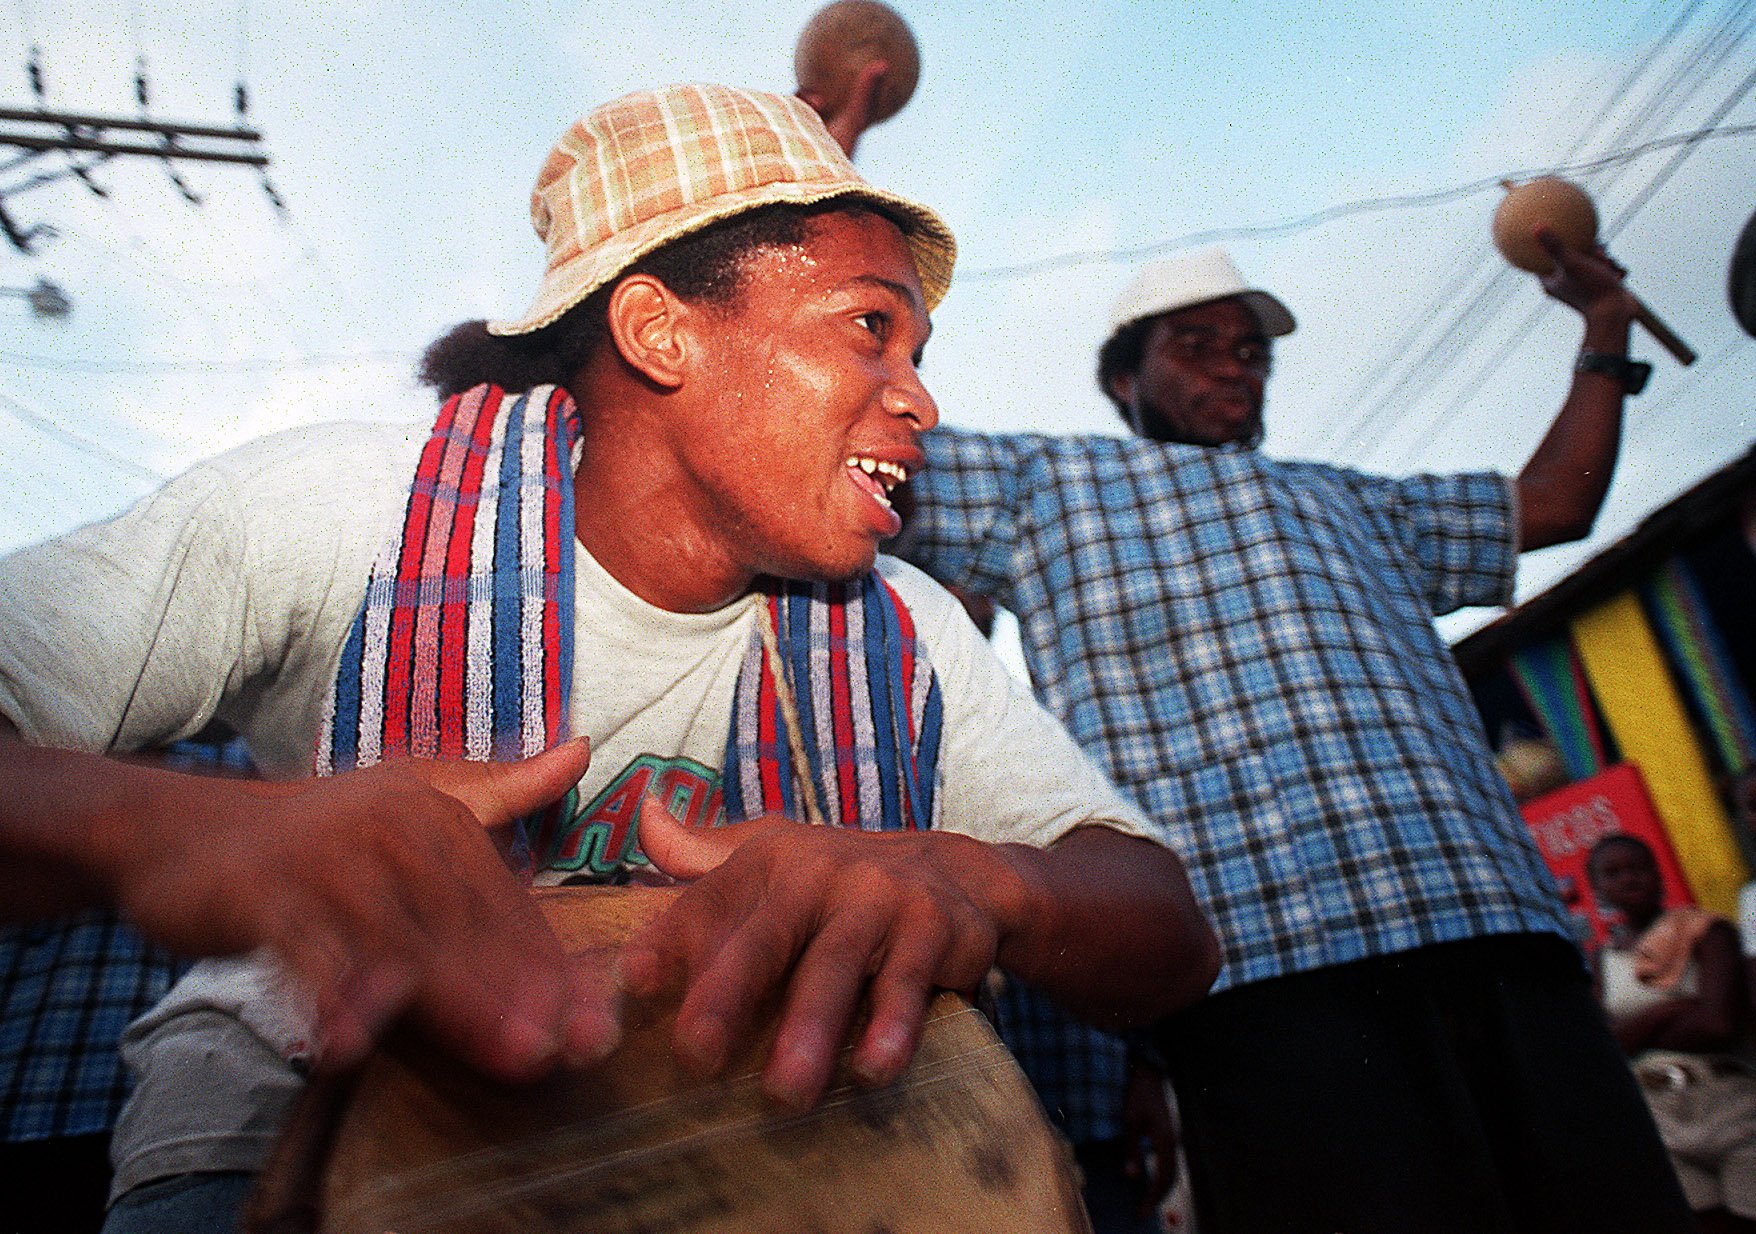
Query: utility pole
{"points": [[91, 140]]}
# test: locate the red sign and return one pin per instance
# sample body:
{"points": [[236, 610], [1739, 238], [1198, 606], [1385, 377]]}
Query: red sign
{"points": [[1568, 821]]}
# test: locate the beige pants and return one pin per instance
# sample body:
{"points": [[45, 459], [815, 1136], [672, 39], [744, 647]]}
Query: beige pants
{"points": [[1705, 1108]]}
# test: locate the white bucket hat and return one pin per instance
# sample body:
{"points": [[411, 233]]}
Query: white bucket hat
{"points": [[1196, 277]]}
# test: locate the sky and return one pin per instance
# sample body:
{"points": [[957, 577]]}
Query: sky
{"points": [[1348, 155]]}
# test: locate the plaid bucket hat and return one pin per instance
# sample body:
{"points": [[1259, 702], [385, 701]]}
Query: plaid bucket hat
{"points": [[654, 166]]}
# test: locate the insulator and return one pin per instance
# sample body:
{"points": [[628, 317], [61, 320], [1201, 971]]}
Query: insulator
{"points": [[189, 194], [97, 189]]}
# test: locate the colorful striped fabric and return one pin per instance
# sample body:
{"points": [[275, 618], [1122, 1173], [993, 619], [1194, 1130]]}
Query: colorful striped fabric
{"points": [[871, 719], [1698, 651], [1552, 682], [464, 643], [463, 646], [1647, 716]]}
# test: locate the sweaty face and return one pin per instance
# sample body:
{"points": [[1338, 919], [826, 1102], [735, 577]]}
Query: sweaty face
{"points": [[813, 403], [1201, 377]]}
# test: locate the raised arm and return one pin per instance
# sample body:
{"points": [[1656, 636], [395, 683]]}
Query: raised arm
{"points": [[1563, 484], [320, 872]]}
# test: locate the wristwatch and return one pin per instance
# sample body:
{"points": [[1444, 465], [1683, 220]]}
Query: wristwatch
{"points": [[1631, 373]]}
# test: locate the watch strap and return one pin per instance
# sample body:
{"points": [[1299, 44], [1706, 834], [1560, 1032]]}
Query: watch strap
{"points": [[1633, 374]]}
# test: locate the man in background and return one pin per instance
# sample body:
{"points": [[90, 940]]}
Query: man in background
{"points": [[1402, 1036]]}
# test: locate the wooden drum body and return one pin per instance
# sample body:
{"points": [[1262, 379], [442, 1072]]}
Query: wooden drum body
{"points": [[417, 1144]]}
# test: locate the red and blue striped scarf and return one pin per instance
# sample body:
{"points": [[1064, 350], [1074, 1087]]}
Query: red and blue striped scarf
{"points": [[463, 646]]}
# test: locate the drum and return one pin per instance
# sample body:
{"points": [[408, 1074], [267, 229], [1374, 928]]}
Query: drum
{"points": [[415, 1143]]}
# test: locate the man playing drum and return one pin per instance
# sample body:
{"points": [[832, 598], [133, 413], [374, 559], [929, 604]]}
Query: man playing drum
{"points": [[648, 514]]}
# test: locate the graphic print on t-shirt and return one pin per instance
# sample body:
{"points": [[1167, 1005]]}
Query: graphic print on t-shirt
{"points": [[603, 835]]}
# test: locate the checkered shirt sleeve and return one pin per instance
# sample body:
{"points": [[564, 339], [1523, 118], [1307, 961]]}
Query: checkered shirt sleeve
{"points": [[67, 990], [1079, 1072], [1247, 646]]}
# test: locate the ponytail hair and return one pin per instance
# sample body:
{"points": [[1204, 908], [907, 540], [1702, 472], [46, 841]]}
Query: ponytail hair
{"points": [[467, 355]]}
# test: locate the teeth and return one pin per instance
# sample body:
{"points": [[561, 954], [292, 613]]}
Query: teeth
{"points": [[891, 473]]}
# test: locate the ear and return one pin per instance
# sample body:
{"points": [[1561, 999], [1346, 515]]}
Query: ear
{"points": [[1122, 388], [647, 323]]}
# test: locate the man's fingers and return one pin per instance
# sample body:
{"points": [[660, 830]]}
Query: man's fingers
{"points": [[854, 115], [685, 853], [727, 985], [354, 1011], [905, 982], [497, 793], [823, 994], [863, 95], [591, 1026], [430, 925], [499, 1003]]}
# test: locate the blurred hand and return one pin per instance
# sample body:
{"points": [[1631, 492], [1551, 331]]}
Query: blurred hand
{"points": [[854, 116], [818, 917], [1588, 281], [383, 893], [1149, 1134]]}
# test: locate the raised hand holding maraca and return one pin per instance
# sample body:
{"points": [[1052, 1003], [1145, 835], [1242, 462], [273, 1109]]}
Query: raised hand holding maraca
{"points": [[1585, 278], [857, 64], [853, 112], [1541, 223]]}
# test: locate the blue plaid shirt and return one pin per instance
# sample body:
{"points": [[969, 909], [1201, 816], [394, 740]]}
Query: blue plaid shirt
{"points": [[67, 990], [1079, 1071], [1247, 645]]}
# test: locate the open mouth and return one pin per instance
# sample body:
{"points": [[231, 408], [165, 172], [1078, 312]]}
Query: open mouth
{"points": [[876, 476]]}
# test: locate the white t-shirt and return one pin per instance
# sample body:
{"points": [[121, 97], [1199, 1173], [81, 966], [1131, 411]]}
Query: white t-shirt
{"points": [[228, 596], [1747, 918]]}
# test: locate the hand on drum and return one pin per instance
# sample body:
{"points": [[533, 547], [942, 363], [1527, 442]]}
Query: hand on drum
{"points": [[381, 891], [413, 912], [821, 918]]}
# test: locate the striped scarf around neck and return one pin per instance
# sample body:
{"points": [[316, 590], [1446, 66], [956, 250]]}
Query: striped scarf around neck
{"points": [[463, 646]]}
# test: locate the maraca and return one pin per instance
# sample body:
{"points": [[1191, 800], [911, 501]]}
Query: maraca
{"points": [[841, 39], [1564, 209]]}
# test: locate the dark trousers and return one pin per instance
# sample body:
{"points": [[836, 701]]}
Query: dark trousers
{"points": [[1470, 1087], [54, 1186], [1116, 1203]]}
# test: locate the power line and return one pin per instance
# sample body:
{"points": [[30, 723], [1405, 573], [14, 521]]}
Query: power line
{"points": [[1467, 321], [32, 418], [1457, 317], [1443, 419], [1366, 205], [88, 140], [1688, 140], [262, 365], [1652, 416]]}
